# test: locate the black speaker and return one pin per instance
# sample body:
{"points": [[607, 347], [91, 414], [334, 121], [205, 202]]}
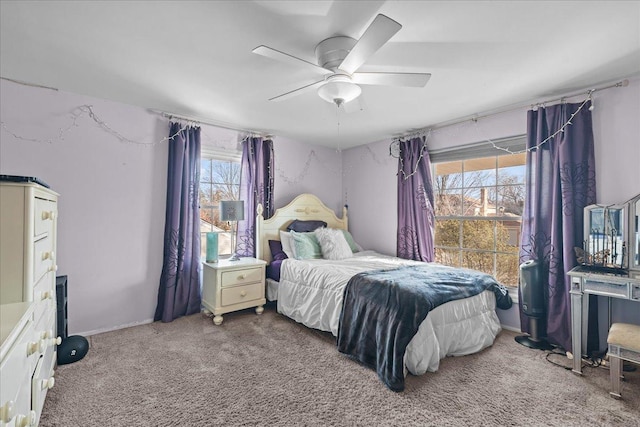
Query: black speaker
{"points": [[61, 299], [533, 306], [72, 349], [531, 290]]}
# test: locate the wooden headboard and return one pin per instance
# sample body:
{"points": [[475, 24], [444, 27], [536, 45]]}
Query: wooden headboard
{"points": [[304, 207]]}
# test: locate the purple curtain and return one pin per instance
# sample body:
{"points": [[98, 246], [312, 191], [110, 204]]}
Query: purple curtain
{"points": [[179, 291], [416, 217], [256, 186], [560, 183]]}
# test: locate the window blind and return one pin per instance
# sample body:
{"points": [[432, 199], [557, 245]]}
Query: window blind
{"points": [[479, 149]]}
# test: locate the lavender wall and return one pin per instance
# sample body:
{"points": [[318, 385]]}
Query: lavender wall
{"points": [[113, 190], [303, 168], [112, 187], [370, 173]]}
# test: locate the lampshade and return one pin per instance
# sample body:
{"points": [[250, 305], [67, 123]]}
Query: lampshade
{"points": [[232, 210], [339, 88]]}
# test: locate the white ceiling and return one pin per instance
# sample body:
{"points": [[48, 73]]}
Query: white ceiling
{"points": [[194, 59]]}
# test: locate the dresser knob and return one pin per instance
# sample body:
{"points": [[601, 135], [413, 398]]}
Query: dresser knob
{"points": [[36, 347], [53, 268], [242, 277], [7, 412], [28, 420], [243, 293], [46, 334], [49, 215], [48, 384], [56, 341], [46, 295]]}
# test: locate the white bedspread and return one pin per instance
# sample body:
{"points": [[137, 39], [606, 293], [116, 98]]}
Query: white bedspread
{"points": [[311, 291]]}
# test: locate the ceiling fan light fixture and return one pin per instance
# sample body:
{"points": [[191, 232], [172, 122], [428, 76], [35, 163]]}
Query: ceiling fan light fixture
{"points": [[339, 90]]}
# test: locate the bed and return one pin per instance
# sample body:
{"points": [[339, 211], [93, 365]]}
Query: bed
{"points": [[312, 292]]}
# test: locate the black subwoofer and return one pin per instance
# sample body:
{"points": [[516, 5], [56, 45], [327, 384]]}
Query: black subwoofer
{"points": [[72, 349]]}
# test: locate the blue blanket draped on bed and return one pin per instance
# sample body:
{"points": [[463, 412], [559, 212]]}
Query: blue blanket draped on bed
{"points": [[383, 309]]}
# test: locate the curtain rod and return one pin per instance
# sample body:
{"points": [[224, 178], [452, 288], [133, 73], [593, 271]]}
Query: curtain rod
{"points": [[193, 119], [623, 83]]}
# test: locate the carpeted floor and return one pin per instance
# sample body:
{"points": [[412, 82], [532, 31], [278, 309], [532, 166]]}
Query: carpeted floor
{"points": [[269, 370]]}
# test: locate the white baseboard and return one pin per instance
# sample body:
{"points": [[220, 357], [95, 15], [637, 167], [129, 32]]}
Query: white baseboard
{"points": [[114, 328], [511, 328]]}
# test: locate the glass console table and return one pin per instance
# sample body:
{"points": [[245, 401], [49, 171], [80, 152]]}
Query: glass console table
{"points": [[589, 281]]}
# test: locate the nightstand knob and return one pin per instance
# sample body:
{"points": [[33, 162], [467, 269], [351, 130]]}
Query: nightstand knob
{"points": [[242, 276], [243, 293]]}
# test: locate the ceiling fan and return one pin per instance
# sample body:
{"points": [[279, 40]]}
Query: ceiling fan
{"points": [[338, 61]]}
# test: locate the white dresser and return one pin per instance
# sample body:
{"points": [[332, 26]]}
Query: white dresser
{"points": [[28, 218]]}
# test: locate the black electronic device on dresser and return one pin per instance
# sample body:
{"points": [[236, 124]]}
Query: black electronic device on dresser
{"points": [[74, 347]]}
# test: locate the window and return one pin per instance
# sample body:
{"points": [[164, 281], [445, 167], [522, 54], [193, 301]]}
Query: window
{"points": [[479, 203], [219, 180]]}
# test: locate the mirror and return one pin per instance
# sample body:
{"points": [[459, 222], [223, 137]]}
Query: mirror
{"points": [[605, 236], [634, 233]]}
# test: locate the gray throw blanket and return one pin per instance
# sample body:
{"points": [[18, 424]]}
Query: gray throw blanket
{"points": [[383, 309]]}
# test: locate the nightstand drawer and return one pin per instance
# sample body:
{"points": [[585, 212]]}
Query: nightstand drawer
{"points": [[239, 294], [239, 277]]}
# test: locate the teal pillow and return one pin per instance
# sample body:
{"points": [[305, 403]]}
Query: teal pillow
{"points": [[350, 241], [306, 246]]}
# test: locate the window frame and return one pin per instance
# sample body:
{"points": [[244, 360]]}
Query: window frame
{"points": [[469, 152], [219, 155]]}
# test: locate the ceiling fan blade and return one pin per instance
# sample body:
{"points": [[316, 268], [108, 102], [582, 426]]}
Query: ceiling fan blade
{"points": [[289, 59], [296, 92], [378, 33], [392, 79]]}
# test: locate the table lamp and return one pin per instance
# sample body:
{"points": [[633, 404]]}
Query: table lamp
{"points": [[232, 211]]}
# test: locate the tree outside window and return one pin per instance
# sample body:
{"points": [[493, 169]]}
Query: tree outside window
{"points": [[219, 180], [479, 205]]}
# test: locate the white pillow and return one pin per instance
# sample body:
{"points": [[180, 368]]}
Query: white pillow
{"points": [[333, 243], [287, 244]]}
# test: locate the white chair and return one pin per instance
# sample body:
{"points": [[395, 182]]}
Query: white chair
{"points": [[624, 344]]}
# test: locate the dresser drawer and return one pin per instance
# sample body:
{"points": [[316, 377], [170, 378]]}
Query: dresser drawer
{"points": [[44, 257], [45, 329], [240, 294], [44, 295], [614, 289], [239, 277], [42, 381], [15, 372], [45, 216]]}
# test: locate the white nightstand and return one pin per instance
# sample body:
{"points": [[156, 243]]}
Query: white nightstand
{"points": [[233, 285]]}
